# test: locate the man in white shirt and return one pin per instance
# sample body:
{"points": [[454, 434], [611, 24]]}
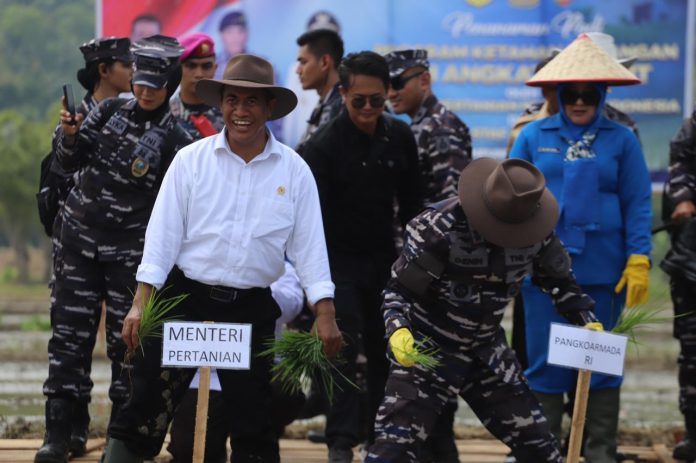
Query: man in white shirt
{"points": [[231, 208]]}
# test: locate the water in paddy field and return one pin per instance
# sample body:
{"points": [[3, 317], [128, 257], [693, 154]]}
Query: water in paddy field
{"points": [[648, 400]]}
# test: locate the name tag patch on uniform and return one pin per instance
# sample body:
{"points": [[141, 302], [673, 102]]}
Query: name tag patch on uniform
{"points": [[117, 125], [549, 149]]}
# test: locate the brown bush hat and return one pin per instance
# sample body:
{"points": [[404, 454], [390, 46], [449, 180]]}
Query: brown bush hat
{"points": [[507, 202], [248, 71]]}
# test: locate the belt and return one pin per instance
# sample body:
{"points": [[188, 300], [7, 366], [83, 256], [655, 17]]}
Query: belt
{"points": [[216, 292]]}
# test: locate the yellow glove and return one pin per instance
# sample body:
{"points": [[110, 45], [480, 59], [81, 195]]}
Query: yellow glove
{"points": [[595, 326], [401, 343], [635, 275]]}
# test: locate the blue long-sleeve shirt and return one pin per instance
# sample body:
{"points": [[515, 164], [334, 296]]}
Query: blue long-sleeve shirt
{"points": [[624, 198]]}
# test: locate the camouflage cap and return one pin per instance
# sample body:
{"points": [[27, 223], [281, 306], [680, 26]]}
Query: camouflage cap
{"points": [[106, 48], [156, 57], [401, 60]]}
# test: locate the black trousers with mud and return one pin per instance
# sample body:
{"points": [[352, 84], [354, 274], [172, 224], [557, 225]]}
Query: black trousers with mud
{"points": [[142, 423], [684, 301], [80, 287], [505, 405]]}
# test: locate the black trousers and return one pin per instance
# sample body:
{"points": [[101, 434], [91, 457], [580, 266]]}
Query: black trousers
{"points": [[684, 300], [359, 283], [285, 409], [157, 391]]}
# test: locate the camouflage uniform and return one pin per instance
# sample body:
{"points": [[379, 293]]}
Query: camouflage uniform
{"points": [[324, 111], [184, 113], [87, 104], [121, 163], [450, 288], [444, 149], [680, 187]]}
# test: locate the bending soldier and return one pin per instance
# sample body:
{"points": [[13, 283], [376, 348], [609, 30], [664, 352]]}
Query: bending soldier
{"points": [[463, 260]]}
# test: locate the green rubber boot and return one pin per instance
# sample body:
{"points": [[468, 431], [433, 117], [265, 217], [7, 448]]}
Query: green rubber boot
{"points": [[117, 452], [552, 404], [601, 425]]}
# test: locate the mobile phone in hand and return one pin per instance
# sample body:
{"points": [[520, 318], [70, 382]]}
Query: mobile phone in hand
{"points": [[69, 101]]}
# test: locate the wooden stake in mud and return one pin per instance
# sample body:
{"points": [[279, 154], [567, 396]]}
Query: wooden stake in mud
{"points": [[201, 415], [577, 426]]}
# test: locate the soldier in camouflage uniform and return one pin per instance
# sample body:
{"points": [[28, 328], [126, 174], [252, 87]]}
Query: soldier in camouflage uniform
{"points": [[444, 149], [108, 71], [444, 142], [320, 53], [121, 151], [197, 62], [680, 264], [463, 261]]}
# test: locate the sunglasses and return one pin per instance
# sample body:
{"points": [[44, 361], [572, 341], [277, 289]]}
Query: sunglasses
{"points": [[359, 101], [399, 82], [589, 96]]}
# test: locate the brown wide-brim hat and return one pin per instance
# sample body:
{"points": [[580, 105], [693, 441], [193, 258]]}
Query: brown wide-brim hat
{"points": [[583, 61], [507, 202], [248, 71]]}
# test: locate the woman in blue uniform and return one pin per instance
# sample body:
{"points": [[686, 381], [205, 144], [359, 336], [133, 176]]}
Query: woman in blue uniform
{"points": [[596, 169]]}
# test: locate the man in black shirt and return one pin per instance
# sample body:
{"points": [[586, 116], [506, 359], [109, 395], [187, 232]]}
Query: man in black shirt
{"points": [[362, 161]]}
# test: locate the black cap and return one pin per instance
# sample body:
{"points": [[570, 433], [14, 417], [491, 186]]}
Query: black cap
{"points": [[401, 60], [105, 48], [235, 18], [155, 59]]}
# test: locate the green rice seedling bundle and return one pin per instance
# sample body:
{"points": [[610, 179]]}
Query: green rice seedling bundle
{"points": [[300, 358], [635, 319], [423, 354], [155, 314]]}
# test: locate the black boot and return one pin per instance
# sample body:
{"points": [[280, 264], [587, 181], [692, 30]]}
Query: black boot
{"points": [[56, 440], [80, 428], [686, 449]]}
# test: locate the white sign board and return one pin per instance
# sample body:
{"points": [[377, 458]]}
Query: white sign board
{"points": [[584, 349], [195, 344]]}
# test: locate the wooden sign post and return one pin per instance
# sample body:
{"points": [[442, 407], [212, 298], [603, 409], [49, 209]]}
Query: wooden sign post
{"points": [[577, 424], [205, 345], [587, 351], [201, 415]]}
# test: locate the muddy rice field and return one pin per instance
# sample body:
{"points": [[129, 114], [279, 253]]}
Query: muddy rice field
{"points": [[649, 412]]}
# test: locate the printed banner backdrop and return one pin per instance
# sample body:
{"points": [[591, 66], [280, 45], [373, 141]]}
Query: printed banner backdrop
{"points": [[481, 51]]}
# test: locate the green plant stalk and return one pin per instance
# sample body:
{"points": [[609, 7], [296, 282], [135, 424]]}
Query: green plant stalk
{"points": [[423, 355], [635, 319], [155, 315], [302, 358]]}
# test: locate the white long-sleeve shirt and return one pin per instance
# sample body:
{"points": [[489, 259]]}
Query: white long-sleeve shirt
{"points": [[226, 222]]}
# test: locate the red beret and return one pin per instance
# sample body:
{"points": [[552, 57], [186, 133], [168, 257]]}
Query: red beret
{"points": [[197, 45]]}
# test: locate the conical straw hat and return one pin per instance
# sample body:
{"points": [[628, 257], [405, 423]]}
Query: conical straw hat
{"points": [[583, 61]]}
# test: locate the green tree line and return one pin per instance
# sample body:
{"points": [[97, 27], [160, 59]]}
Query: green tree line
{"points": [[39, 46]]}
